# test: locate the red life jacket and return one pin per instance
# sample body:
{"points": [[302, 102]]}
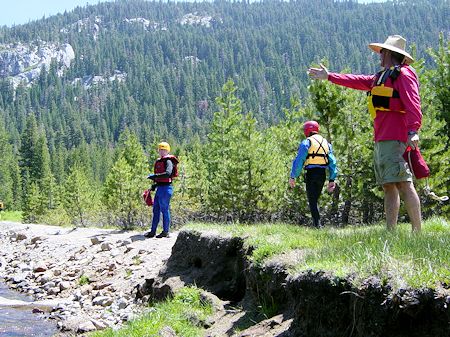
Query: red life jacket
{"points": [[160, 167]]}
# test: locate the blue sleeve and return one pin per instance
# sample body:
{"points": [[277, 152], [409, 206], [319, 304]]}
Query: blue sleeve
{"points": [[297, 164], [332, 164]]}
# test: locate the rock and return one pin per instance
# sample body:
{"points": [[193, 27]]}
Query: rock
{"points": [[49, 285], [57, 272], [96, 240], [99, 325], [23, 62], [81, 250], [24, 267], [64, 285], [106, 246], [18, 278], [44, 278], [20, 237], [273, 326], [40, 267], [86, 327], [122, 303], [2, 263], [125, 243], [103, 301], [77, 295], [167, 331], [101, 286], [44, 271], [36, 239], [53, 291]]}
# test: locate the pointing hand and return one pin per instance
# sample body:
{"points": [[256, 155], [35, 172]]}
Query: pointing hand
{"points": [[318, 73]]}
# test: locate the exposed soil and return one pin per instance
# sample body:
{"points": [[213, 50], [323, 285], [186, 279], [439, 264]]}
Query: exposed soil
{"points": [[308, 304], [127, 270]]}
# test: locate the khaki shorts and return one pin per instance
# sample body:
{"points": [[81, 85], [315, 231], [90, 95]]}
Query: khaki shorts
{"points": [[388, 162]]}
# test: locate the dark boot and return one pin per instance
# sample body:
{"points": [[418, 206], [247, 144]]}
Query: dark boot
{"points": [[150, 234], [317, 224], [163, 235]]}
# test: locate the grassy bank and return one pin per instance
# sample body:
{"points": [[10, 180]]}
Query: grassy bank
{"points": [[11, 216], [399, 257], [184, 314]]}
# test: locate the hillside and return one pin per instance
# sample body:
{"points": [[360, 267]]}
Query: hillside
{"points": [[85, 89], [157, 67]]}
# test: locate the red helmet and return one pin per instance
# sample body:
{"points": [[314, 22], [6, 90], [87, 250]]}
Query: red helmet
{"points": [[310, 126]]}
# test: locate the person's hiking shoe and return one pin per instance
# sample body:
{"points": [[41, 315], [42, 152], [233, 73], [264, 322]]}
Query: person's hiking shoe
{"points": [[317, 224], [150, 234], [163, 235]]}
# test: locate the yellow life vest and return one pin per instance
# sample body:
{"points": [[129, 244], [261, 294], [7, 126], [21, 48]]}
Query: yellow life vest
{"points": [[383, 97], [318, 151]]}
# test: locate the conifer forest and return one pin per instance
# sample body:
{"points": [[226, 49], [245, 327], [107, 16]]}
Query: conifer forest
{"points": [[226, 84]]}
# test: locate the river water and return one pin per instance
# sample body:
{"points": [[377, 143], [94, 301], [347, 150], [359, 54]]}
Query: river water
{"points": [[22, 322]]}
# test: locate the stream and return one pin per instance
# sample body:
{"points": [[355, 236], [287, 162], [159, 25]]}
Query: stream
{"points": [[15, 322]]}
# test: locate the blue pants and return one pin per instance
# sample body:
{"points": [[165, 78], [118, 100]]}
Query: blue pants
{"points": [[161, 204]]}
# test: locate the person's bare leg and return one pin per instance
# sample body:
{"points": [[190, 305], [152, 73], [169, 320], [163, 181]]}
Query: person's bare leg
{"points": [[391, 204], [412, 204]]}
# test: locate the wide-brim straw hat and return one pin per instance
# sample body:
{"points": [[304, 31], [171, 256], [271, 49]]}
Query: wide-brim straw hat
{"points": [[394, 43]]}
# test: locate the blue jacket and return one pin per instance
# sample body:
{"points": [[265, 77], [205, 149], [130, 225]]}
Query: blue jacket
{"points": [[297, 164]]}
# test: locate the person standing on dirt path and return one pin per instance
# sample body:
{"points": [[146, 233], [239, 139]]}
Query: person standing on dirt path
{"points": [[164, 169], [316, 155], [394, 105]]}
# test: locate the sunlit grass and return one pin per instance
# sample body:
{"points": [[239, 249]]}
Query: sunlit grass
{"points": [[11, 216], [399, 257], [182, 314]]}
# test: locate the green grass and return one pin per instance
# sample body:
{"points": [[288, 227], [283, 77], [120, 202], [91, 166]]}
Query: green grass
{"points": [[182, 313], [399, 257], [11, 216], [83, 280]]}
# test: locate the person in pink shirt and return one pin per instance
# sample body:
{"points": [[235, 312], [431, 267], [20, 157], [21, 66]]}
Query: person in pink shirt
{"points": [[394, 105]]}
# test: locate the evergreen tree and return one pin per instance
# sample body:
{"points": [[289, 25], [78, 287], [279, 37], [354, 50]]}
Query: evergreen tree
{"points": [[125, 183], [79, 196], [8, 171]]}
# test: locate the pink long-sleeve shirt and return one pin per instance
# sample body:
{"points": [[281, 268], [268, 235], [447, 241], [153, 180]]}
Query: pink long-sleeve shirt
{"points": [[390, 125]]}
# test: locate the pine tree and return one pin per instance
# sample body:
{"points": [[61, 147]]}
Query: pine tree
{"points": [[8, 168], [79, 196], [125, 183]]}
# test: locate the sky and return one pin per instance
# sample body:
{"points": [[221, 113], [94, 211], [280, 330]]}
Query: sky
{"points": [[16, 12]]}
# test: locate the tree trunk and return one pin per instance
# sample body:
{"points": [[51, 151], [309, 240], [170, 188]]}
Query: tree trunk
{"points": [[348, 202]]}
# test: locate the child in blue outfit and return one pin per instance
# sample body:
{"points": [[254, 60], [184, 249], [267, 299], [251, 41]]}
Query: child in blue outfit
{"points": [[315, 154], [163, 171]]}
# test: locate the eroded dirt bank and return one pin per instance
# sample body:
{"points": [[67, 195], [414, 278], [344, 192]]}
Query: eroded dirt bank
{"points": [[308, 304], [125, 270]]}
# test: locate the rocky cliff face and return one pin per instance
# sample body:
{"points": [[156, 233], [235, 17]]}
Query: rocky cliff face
{"points": [[23, 63]]}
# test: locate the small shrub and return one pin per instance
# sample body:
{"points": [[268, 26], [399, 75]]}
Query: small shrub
{"points": [[83, 280]]}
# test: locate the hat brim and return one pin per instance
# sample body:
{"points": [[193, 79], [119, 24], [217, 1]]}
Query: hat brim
{"points": [[376, 47]]}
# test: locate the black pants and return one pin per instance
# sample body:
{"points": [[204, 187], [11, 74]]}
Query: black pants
{"points": [[314, 178]]}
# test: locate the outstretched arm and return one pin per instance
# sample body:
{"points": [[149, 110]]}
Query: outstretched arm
{"points": [[359, 82]]}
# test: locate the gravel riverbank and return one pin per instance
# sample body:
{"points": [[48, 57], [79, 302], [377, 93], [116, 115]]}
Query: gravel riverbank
{"points": [[85, 278]]}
